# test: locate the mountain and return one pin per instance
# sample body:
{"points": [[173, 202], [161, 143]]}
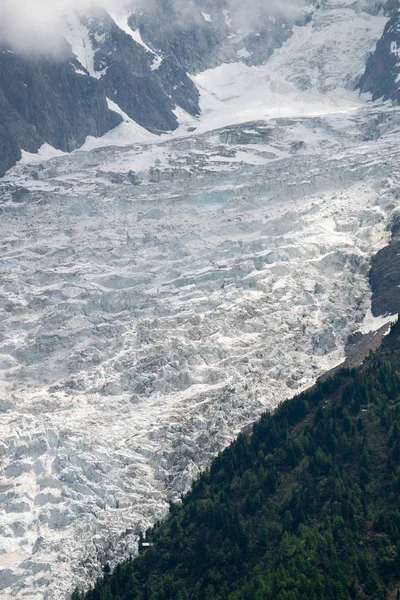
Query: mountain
{"points": [[46, 101], [303, 506], [210, 225], [381, 77], [141, 61]]}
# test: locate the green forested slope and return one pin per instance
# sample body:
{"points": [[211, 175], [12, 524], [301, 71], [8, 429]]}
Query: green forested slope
{"points": [[306, 508]]}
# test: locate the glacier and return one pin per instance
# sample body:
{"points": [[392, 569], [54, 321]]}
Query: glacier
{"points": [[158, 293], [155, 300]]}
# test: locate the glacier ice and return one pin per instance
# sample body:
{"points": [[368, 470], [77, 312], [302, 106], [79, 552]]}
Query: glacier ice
{"points": [[156, 299]]}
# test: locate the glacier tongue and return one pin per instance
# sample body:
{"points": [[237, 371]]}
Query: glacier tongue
{"points": [[157, 298]]}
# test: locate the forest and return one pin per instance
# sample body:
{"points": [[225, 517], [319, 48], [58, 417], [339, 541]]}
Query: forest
{"points": [[305, 507]]}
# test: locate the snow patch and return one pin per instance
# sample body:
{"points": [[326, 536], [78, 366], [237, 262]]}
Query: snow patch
{"points": [[121, 19], [77, 35], [243, 53], [45, 152], [228, 19], [371, 323], [156, 63], [128, 132]]}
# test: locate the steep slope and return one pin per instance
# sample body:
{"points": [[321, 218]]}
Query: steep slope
{"points": [[63, 106], [46, 101], [15, 133], [381, 77], [306, 506], [129, 72], [157, 297], [61, 103], [140, 60]]}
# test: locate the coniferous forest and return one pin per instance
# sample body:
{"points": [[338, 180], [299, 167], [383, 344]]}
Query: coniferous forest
{"points": [[305, 508]]}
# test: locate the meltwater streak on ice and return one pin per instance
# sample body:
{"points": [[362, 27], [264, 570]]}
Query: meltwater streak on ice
{"points": [[156, 298]]}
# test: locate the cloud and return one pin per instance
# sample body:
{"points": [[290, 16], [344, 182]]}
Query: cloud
{"points": [[35, 27], [249, 15]]}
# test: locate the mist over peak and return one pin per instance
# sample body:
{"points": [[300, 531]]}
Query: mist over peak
{"points": [[36, 27]]}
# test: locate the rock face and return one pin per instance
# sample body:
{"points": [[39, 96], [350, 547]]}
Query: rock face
{"points": [[381, 77], [196, 39], [211, 33], [15, 133], [385, 279], [127, 75], [46, 101], [140, 61], [384, 275]]}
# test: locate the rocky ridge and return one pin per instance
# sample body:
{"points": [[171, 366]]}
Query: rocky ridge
{"points": [[381, 77], [139, 60]]}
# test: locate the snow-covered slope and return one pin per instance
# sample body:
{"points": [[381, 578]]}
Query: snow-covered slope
{"points": [[146, 61], [315, 72], [156, 297]]}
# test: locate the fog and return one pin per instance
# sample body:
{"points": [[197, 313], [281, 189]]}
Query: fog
{"points": [[36, 26]]}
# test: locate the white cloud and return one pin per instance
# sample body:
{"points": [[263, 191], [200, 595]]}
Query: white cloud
{"points": [[35, 26], [247, 15]]}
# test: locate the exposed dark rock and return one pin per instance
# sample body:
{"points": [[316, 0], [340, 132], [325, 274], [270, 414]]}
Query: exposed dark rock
{"points": [[269, 35], [127, 77], [186, 37], [61, 103], [383, 65], [15, 133], [178, 86], [46, 101], [385, 279]]}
